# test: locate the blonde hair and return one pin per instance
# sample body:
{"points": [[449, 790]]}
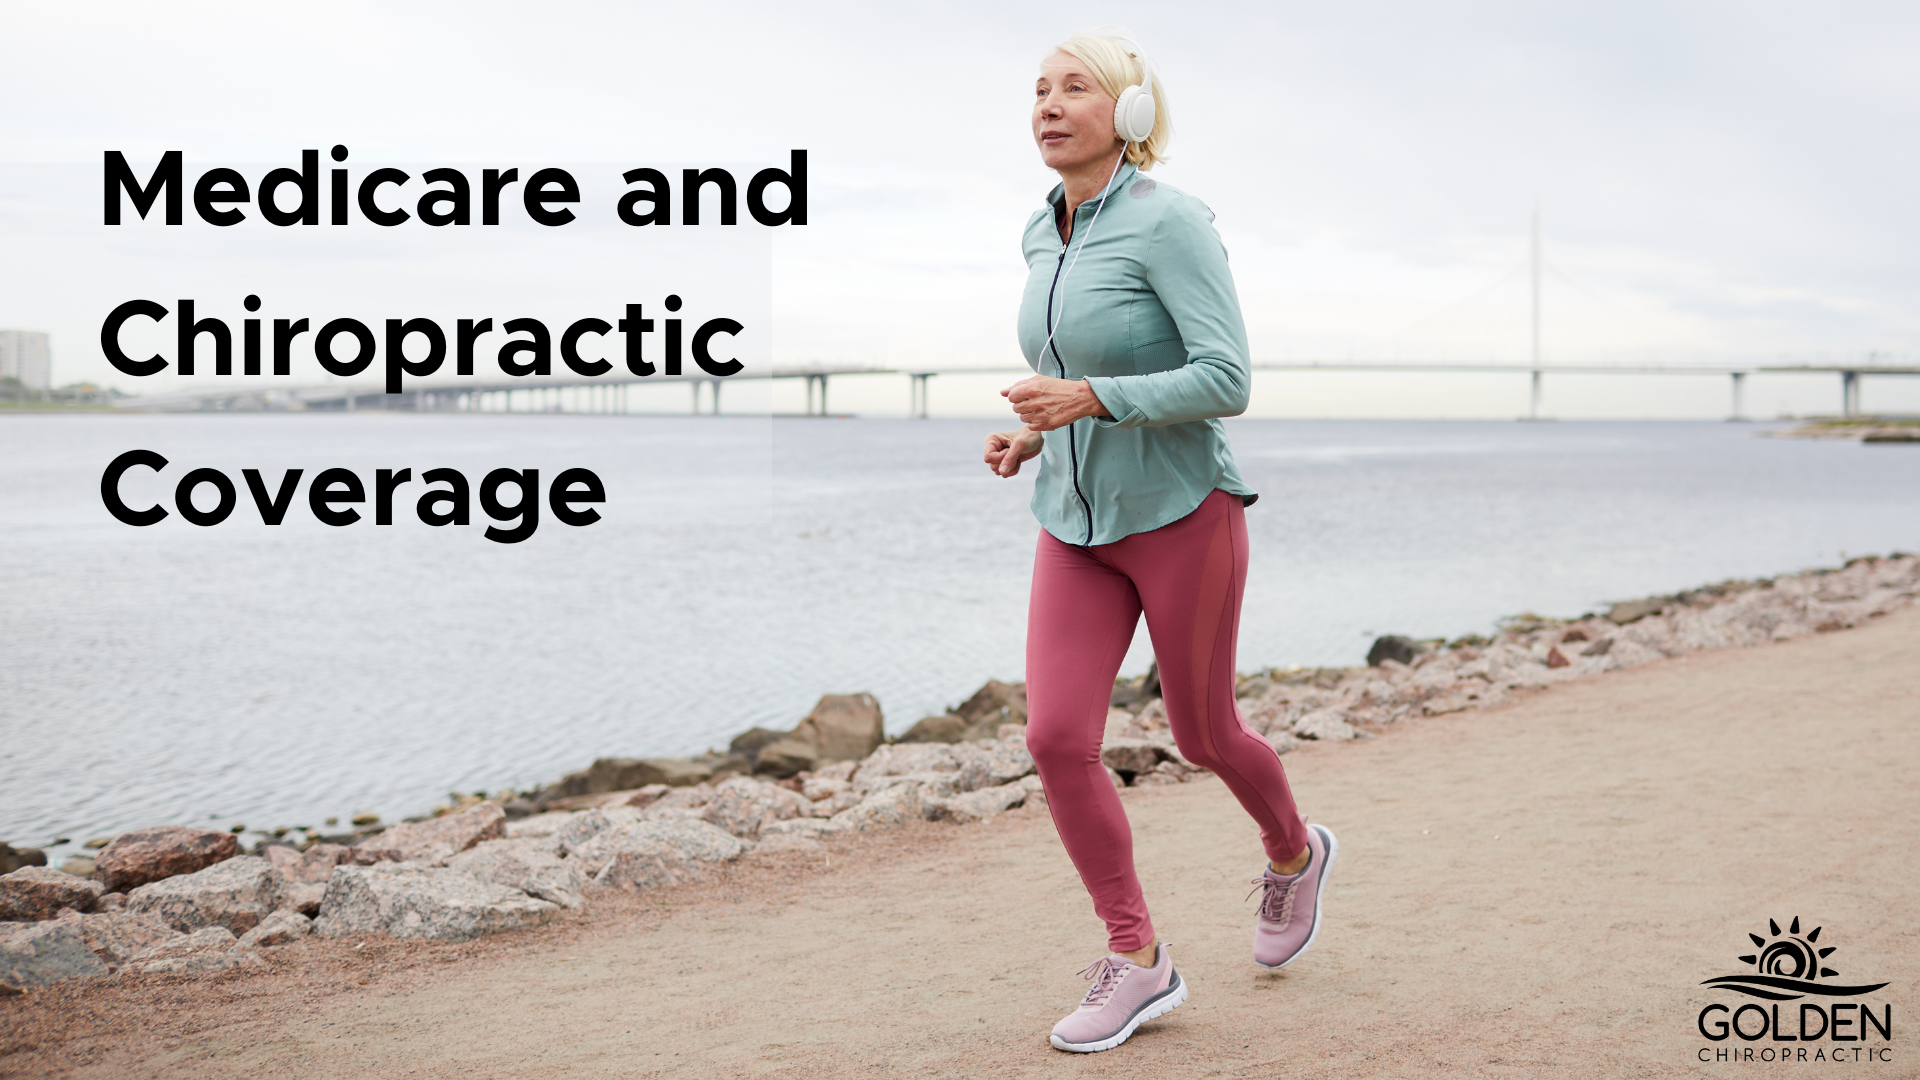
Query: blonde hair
{"points": [[1115, 62]]}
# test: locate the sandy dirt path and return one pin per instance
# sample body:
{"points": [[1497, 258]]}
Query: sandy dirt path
{"points": [[1535, 890]]}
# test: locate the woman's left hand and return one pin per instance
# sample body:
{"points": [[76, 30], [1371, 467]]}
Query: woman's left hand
{"points": [[1045, 403]]}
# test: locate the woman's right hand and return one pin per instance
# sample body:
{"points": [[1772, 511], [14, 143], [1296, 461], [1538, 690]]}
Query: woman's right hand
{"points": [[1007, 449]]}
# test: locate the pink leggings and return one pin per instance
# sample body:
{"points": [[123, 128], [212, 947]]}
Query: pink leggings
{"points": [[1187, 577]]}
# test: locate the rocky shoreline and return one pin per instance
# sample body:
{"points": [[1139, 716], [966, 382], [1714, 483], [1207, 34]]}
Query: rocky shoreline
{"points": [[183, 900]]}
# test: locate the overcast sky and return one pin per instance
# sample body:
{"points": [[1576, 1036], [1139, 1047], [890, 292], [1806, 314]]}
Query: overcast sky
{"points": [[1718, 182]]}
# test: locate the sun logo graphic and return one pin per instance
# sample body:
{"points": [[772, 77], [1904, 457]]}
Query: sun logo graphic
{"points": [[1788, 967]]}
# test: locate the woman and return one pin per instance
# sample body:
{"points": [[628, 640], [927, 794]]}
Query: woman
{"points": [[1131, 320]]}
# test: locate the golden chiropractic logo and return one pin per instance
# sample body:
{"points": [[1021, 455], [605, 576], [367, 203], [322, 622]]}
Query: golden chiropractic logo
{"points": [[1790, 967]]}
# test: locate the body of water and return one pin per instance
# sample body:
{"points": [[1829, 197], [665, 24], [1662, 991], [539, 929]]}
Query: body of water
{"points": [[276, 675]]}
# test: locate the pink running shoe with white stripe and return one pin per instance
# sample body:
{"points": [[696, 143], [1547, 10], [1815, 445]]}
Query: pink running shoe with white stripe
{"points": [[1124, 995], [1289, 917]]}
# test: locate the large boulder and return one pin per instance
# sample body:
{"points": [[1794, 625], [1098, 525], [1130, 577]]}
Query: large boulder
{"points": [[423, 902], [743, 806], [749, 742], [697, 840], [786, 757], [624, 774], [235, 894], [527, 865], [843, 727], [1395, 647], [994, 704], [32, 893], [945, 728], [116, 936], [13, 858], [34, 954], [143, 855], [436, 840]]}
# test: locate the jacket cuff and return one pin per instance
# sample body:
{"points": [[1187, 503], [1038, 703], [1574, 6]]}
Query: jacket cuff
{"points": [[1125, 414]]}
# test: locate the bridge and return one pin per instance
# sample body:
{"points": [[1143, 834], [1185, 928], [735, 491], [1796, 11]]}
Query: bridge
{"points": [[609, 393]]}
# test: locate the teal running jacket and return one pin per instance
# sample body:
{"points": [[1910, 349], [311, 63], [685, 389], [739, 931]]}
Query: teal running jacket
{"points": [[1149, 318]]}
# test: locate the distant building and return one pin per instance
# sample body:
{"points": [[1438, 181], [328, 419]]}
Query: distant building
{"points": [[25, 355]]}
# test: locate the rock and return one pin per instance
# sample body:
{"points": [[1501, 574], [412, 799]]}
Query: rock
{"points": [[945, 728], [146, 855], [365, 817], [994, 704], [1634, 610], [116, 937], [1598, 648], [817, 788], [899, 760], [211, 948], [304, 882], [539, 825], [436, 840], [730, 765], [34, 954], [423, 902], [1556, 658], [1132, 757], [800, 826], [278, 928], [13, 858], [525, 865], [1282, 742], [687, 798], [584, 827], [1393, 647], [787, 844], [976, 805], [281, 856], [1326, 724], [843, 727], [884, 809], [235, 894], [990, 764], [787, 757], [751, 740], [625, 774], [113, 901], [35, 892], [649, 864], [697, 840], [743, 806]]}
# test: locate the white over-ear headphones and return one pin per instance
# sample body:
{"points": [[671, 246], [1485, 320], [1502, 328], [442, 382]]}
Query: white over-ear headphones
{"points": [[1133, 113]]}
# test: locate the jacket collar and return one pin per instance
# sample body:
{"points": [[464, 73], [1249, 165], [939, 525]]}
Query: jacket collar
{"points": [[1057, 198]]}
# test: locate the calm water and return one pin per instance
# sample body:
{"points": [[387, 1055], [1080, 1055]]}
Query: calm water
{"points": [[280, 675]]}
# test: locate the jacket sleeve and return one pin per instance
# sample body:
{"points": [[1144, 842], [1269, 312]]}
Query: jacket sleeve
{"points": [[1186, 264]]}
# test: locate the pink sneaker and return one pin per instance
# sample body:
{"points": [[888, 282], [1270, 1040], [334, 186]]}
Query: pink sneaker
{"points": [[1290, 911], [1124, 995]]}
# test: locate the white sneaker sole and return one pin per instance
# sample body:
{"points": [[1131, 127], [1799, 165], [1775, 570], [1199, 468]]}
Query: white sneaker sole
{"points": [[1152, 1010], [1319, 897]]}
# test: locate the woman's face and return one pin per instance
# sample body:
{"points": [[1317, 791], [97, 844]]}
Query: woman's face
{"points": [[1072, 116]]}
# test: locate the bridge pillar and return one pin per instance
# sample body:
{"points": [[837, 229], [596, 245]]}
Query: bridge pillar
{"points": [[917, 394], [1533, 407], [1849, 393], [1739, 396], [716, 397]]}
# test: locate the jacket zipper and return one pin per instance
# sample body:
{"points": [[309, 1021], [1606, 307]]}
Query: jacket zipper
{"points": [[1073, 452]]}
